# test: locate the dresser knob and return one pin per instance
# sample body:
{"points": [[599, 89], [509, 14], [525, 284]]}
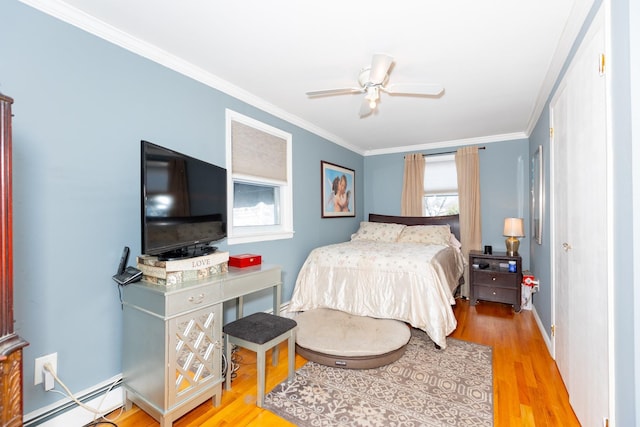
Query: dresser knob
{"points": [[196, 300], [493, 278]]}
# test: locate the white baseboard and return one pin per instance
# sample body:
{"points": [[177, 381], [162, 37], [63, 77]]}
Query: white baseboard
{"points": [[284, 310], [66, 412], [543, 331]]}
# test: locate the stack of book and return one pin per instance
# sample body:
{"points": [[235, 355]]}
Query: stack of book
{"points": [[182, 270]]}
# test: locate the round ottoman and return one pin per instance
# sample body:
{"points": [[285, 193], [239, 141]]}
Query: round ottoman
{"points": [[336, 338]]}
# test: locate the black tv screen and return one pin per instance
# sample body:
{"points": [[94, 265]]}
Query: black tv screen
{"points": [[184, 203]]}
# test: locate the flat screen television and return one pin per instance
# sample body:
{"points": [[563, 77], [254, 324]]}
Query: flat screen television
{"points": [[184, 203]]}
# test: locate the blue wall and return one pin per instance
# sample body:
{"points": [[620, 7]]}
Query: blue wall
{"points": [[81, 108], [504, 188]]}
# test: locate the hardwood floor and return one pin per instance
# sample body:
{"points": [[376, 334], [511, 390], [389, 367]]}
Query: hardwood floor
{"points": [[528, 390]]}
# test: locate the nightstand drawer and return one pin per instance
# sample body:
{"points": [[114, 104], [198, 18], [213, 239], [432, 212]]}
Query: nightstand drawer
{"points": [[495, 294], [495, 278]]}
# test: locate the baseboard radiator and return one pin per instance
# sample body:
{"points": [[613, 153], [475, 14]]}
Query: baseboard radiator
{"points": [[67, 412]]}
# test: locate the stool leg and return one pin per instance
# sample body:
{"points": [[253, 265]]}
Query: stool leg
{"points": [[275, 355], [292, 356], [261, 374], [227, 349]]}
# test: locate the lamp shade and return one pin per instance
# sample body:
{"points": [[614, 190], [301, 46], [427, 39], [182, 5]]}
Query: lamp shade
{"points": [[513, 227]]}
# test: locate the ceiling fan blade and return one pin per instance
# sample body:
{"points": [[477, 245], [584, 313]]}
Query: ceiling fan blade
{"points": [[340, 91], [365, 109], [413, 89], [379, 68]]}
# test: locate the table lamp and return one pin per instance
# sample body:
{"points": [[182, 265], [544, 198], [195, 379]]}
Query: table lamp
{"points": [[513, 228]]}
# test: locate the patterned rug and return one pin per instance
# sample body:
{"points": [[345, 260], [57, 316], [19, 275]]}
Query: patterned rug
{"points": [[425, 387]]}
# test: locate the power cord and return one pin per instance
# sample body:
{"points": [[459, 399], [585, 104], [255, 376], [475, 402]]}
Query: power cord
{"points": [[97, 423], [120, 296], [235, 362], [97, 413]]}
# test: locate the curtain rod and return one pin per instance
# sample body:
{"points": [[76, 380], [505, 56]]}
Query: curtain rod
{"points": [[445, 152]]}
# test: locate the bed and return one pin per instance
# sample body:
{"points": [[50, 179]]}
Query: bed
{"points": [[401, 268]]}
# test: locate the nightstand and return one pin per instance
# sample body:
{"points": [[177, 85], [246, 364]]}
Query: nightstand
{"points": [[495, 282]]}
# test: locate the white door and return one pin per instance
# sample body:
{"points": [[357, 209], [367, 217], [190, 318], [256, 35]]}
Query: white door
{"points": [[580, 226], [560, 227]]}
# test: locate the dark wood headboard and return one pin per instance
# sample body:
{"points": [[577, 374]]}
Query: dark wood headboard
{"points": [[452, 220]]}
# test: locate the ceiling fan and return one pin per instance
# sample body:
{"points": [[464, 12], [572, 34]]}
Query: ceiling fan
{"points": [[372, 80]]}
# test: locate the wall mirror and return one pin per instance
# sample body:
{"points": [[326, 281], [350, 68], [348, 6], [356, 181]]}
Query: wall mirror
{"points": [[537, 195]]}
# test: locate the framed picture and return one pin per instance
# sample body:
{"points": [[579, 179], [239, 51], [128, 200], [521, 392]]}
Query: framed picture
{"points": [[537, 195], [337, 190]]}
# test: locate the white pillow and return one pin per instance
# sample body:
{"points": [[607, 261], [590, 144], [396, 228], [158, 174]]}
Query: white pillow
{"points": [[378, 231], [427, 234], [455, 242]]}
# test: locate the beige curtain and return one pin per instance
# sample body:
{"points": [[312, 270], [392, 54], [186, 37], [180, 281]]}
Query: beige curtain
{"points": [[468, 170], [413, 185]]}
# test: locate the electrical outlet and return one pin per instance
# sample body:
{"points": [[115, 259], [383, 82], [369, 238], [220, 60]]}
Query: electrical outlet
{"points": [[40, 362]]}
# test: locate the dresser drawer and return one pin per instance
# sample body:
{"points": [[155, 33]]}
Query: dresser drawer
{"points": [[191, 299], [495, 278], [496, 294]]}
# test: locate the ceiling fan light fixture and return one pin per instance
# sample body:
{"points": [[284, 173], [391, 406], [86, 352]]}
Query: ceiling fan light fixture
{"points": [[372, 94], [373, 79]]}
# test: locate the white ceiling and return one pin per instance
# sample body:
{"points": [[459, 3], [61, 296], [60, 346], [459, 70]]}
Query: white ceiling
{"points": [[496, 59]]}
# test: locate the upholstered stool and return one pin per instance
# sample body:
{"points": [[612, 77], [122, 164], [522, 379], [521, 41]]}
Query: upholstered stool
{"points": [[259, 332]]}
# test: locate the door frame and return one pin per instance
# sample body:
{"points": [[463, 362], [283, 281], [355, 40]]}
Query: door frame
{"points": [[605, 10]]}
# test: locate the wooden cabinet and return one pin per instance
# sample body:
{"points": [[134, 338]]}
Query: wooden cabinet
{"points": [[491, 280], [172, 346], [11, 403]]}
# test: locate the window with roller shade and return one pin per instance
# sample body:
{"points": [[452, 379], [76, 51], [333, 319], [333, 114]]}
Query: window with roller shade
{"points": [[259, 188], [440, 186]]}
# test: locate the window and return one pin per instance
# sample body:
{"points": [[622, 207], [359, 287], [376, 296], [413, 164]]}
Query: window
{"points": [[440, 186], [259, 181]]}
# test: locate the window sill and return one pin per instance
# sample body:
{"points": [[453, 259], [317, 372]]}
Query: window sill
{"points": [[252, 238]]}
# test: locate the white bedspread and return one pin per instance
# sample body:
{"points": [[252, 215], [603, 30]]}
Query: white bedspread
{"points": [[410, 282]]}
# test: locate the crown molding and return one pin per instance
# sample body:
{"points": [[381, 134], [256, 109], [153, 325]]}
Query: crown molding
{"points": [[448, 144], [73, 16], [579, 13]]}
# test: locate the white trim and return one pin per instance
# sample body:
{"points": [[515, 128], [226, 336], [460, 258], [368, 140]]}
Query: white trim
{"points": [[634, 72], [602, 19], [543, 332], [551, 203], [92, 25], [611, 247], [575, 22], [236, 240], [448, 144], [78, 416], [265, 233], [77, 18]]}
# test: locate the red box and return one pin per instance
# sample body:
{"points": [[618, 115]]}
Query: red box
{"points": [[244, 260]]}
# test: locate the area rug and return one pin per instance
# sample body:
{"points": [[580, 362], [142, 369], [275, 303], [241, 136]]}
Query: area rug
{"points": [[425, 387]]}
